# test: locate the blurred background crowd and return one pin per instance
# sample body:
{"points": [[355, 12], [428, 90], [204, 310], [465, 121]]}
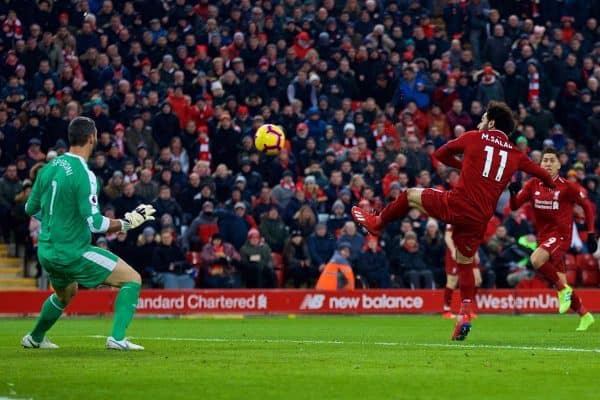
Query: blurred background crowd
{"points": [[365, 91]]}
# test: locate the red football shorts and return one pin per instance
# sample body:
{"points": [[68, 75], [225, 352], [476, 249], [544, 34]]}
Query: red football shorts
{"points": [[557, 246], [468, 228]]}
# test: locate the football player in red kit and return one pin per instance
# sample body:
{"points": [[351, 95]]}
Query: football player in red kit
{"points": [[451, 268], [553, 212], [489, 161]]}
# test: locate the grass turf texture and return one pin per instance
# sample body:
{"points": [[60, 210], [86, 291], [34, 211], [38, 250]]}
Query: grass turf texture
{"points": [[398, 357]]}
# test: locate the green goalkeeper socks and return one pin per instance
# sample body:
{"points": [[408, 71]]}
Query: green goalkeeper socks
{"points": [[125, 305], [51, 312]]}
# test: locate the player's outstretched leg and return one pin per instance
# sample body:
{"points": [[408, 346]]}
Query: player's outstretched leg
{"points": [[395, 210], [51, 311], [130, 282]]}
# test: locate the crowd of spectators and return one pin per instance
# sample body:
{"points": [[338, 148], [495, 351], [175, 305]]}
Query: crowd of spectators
{"points": [[365, 91]]}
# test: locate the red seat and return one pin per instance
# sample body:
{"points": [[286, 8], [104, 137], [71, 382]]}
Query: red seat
{"points": [[279, 268], [571, 277], [588, 265], [587, 262], [590, 278], [570, 262]]}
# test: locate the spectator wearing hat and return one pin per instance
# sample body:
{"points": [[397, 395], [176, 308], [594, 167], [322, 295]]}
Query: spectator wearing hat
{"points": [[201, 228], [407, 264], [337, 273], [114, 188], [220, 261], [234, 226], [300, 138], [315, 196], [273, 229], [296, 259], [489, 87], [283, 192], [257, 263], [321, 245], [350, 234], [139, 134], [513, 85], [254, 181], [34, 152], [170, 265], [434, 250], [373, 265]]}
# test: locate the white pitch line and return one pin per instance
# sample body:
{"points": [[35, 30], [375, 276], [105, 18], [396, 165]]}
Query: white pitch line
{"points": [[354, 343]]}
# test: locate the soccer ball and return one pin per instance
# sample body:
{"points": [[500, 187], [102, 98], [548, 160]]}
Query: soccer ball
{"points": [[269, 139]]}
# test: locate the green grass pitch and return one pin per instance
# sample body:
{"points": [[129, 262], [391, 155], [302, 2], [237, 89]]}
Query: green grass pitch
{"points": [[341, 357]]}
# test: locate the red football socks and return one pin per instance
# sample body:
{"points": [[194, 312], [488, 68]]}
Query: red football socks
{"points": [[467, 281], [549, 272], [447, 298], [577, 305], [395, 210]]}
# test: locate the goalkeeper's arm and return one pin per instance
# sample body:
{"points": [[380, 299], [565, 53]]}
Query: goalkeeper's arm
{"points": [[101, 224]]}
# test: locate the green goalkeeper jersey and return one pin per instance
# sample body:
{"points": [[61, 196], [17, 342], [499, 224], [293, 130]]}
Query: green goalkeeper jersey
{"points": [[65, 196]]}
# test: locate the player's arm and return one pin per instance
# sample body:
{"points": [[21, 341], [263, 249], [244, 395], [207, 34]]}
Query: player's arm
{"points": [[33, 204], [528, 166], [98, 223], [580, 198], [519, 197], [447, 153]]}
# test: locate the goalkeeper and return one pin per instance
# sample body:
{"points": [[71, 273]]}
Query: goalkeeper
{"points": [[64, 198]]}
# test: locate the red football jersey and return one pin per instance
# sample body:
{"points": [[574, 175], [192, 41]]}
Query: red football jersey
{"points": [[489, 161], [553, 208]]}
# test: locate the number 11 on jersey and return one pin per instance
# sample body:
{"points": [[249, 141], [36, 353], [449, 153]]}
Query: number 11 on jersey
{"points": [[489, 156]]}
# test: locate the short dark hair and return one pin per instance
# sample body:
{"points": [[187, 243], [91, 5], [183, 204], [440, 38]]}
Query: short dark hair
{"points": [[550, 150], [502, 116], [80, 129]]}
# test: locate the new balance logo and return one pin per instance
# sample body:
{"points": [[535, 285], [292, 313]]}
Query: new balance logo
{"points": [[312, 302]]}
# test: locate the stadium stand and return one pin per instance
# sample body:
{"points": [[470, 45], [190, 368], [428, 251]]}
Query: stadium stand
{"points": [[365, 91]]}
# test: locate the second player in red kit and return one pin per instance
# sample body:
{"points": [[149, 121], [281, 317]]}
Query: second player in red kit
{"points": [[489, 161], [553, 211]]}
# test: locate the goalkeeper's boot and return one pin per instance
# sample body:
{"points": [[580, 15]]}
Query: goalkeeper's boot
{"points": [[114, 344], [585, 322], [28, 343], [462, 327], [564, 299], [369, 221]]}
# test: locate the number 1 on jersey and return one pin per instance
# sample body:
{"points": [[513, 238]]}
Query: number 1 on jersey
{"points": [[54, 184], [489, 155]]}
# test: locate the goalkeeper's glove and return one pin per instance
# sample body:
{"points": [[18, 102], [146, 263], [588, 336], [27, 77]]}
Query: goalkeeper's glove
{"points": [[514, 188], [137, 217], [592, 242]]}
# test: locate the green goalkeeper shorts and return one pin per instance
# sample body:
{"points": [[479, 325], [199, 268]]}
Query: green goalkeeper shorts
{"points": [[91, 270]]}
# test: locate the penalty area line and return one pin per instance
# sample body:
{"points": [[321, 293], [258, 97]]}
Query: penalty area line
{"points": [[359, 343]]}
